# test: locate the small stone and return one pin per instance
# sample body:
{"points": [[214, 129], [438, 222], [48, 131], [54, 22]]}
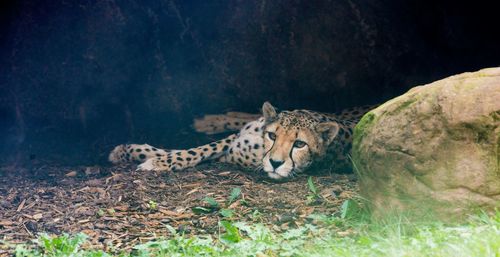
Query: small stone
{"points": [[31, 226], [183, 229]]}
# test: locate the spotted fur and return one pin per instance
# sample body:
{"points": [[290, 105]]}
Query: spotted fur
{"points": [[280, 144], [219, 123]]}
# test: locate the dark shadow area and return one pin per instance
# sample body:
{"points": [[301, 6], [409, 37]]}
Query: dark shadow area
{"points": [[78, 77]]}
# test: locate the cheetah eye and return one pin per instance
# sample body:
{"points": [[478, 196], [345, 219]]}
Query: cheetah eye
{"points": [[271, 135], [299, 144]]}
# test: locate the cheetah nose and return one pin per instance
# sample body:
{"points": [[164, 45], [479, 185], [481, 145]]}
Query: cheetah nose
{"points": [[275, 164]]}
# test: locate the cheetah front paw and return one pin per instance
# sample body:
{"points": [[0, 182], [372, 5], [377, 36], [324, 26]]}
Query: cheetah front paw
{"points": [[153, 165]]}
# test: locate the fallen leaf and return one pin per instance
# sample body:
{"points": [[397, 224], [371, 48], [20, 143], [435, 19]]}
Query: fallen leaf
{"points": [[6, 223], [37, 216], [71, 174], [20, 207], [192, 191], [344, 233]]}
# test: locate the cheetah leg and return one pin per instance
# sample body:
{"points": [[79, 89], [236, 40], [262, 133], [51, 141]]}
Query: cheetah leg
{"points": [[182, 159], [170, 160], [219, 123], [135, 153]]}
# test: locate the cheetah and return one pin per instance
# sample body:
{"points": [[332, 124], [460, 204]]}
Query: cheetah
{"points": [[281, 144]]}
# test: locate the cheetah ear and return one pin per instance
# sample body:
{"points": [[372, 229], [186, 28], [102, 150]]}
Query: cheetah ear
{"points": [[328, 130], [269, 112]]}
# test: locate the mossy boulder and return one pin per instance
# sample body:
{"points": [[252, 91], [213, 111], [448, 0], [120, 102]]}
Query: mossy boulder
{"points": [[433, 151]]}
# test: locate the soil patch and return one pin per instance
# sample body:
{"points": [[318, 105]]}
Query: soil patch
{"points": [[118, 207]]}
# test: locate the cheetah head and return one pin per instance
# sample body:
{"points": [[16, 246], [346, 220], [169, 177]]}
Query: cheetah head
{"points": [[293, 140]]}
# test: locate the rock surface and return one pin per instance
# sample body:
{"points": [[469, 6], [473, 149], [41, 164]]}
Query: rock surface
{"points": [[433, 151]]}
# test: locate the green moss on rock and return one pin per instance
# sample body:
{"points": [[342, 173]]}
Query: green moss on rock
{"points": [[362, 125]]}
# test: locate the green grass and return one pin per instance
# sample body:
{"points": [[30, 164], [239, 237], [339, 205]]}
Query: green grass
{"points": [[214, 206], [353, 235]]}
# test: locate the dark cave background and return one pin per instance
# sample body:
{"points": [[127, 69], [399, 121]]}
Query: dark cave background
{"points": [[78, 77]]}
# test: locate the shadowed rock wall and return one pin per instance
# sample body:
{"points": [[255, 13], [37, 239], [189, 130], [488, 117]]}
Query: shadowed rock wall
{"points": [[78, 77]]}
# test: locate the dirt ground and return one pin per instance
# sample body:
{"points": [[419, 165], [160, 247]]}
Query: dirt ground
{"points": [[118, 207]]}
